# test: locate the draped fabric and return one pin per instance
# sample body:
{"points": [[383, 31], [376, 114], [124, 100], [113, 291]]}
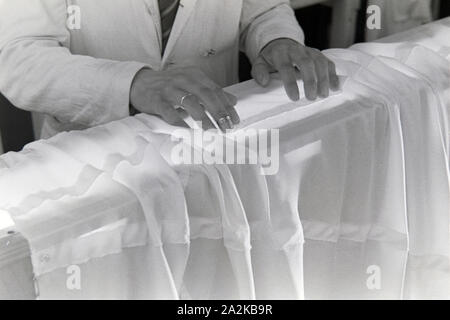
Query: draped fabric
{"points": [[185, 226], [362, 185]]}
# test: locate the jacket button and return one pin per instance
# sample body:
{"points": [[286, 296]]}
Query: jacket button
{"points": [[44, 258], [209, 53]]}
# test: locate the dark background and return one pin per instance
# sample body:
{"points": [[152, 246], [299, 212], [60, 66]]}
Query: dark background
{"points": [[16, 125]]}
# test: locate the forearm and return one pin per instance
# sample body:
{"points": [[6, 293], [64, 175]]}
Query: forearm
{"points": [[40, 75], [276, 21]]}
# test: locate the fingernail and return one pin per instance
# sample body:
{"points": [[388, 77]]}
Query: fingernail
{"points": [[230, 122], [324, 93], [224, 123], [294, 96], [336, 83], [311, 96]]}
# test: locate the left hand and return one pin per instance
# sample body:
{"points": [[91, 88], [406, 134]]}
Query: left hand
{"points": [[287, 57]]}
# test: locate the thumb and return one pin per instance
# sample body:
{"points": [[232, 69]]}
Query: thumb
{"points": [[261, 71]]}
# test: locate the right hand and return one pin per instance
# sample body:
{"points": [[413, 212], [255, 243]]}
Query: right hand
{"points": [[158, 92]]}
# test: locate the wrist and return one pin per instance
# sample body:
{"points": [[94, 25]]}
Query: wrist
{"points": [[136, 88]]}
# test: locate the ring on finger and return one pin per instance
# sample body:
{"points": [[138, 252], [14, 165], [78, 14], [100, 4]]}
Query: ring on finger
{"points": [[226, 120], [183, 98]]}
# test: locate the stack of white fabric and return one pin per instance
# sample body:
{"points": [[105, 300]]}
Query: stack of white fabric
{"points": [[363, 176]]}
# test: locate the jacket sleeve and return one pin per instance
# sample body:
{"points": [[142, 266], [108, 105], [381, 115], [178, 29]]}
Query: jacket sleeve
{"points": [[39, 73], [265, 20]]}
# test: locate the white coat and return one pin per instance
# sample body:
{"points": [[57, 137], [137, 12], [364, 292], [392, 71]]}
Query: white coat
{"points": [[75, 60]]}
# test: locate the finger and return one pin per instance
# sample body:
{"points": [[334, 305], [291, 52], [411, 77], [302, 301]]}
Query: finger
{"points": [[219, 110], [289, 79], [232, 111], [261, 72], [223, 99], [170, 114], [212, 97], [322, 75], [286, 70], [204, 123], [334, 79], [232, 99], [308, 74], [193, 106], [215, 104], [189, 103]]}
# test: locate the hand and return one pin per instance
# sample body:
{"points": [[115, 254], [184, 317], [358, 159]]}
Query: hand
{"points": [[159, 92], [286, 56]]}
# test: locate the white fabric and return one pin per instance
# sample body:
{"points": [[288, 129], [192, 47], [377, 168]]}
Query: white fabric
{"points": [[81, 76], [15, 269], [363, 177], [213, 235]]}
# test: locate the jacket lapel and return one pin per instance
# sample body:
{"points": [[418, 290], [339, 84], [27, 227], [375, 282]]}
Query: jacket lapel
{"points": [[183, 14], [153, 8]]}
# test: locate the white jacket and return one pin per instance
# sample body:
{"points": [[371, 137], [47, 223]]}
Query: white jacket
{"points": [[81, 77]]}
